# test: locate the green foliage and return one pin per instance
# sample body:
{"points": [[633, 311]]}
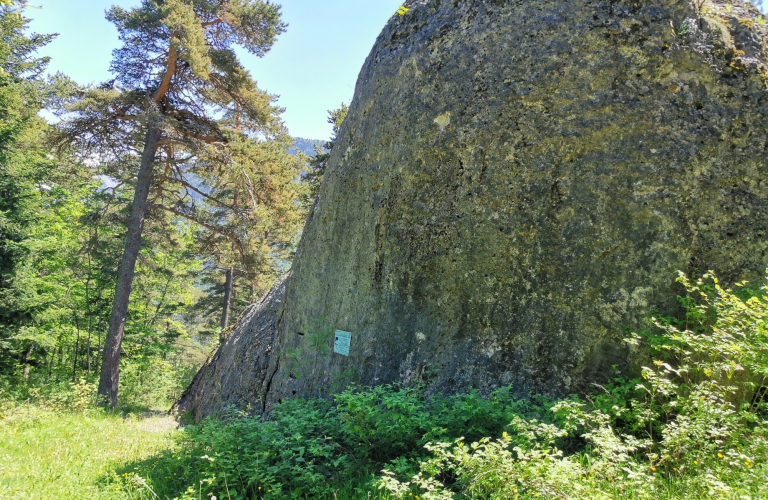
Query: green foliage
{"points": [[313, 447], [394, 421], [22, 162], [694, 426], [68, 278]]}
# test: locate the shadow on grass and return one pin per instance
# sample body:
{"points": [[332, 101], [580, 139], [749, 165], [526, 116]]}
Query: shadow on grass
{"points": [[171, 474]]}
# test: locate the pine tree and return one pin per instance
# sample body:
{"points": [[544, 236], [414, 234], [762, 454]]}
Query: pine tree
{"points": [[184, 104], [317, 164], [22, 164]]}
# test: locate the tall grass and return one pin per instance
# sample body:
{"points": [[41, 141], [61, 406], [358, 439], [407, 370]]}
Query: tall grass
{"points": [[55, 455]]}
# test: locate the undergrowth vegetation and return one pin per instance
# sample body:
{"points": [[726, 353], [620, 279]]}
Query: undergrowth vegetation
{"points": [[692, 424], [311, 448]]}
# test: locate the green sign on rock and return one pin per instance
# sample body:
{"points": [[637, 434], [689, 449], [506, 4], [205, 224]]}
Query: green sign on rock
{"points": [[342, 342]]}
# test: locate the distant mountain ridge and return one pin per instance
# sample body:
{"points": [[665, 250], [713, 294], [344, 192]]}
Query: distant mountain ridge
{"points": [[306, 146]]}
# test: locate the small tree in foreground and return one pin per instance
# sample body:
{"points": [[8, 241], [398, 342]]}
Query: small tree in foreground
{"points": [[183, 103]]}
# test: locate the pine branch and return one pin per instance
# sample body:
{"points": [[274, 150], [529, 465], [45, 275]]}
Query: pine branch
{"points": [[170, 71], [235, 241], [217, 202]]}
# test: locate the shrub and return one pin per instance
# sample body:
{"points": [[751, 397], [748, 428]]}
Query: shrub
{"points": [[694, 426], [309, 448]]}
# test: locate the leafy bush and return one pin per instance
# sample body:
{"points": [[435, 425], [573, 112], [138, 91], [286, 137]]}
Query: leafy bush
{"points": [[151, 382], [313, 447], [68, 397], [694, 426]]}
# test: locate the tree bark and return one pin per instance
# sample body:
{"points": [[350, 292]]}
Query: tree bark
{"points": [[77, 346], [227, 297], [110, 368], [25, 360], [89, 353]]}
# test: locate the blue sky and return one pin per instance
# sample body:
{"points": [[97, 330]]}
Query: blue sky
{"points": [[313, 66]]}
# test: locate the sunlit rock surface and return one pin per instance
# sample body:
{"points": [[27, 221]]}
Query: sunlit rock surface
{"points": [[233, 375], [515, 185]]}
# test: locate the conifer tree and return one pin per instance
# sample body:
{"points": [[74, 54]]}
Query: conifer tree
{"points": [[182, 102], [317, 164], [22, 164]]}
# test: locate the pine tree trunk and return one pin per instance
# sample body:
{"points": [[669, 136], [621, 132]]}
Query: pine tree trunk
{"points": [[227, 297], [110, 368], [77, 346], [25, 360], [89, 353]]}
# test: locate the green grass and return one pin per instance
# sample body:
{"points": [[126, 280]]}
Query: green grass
{"points": [[55, 455], [58, 456]]}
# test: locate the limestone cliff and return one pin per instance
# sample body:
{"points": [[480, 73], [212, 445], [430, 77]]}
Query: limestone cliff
{"points": [[516, 183]]}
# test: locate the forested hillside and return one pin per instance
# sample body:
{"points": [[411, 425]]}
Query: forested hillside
{"points": [[530, 261], [306, 146]]}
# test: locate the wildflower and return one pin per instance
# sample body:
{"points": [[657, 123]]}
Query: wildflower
{"points": [[719, 455], [653, 469]]}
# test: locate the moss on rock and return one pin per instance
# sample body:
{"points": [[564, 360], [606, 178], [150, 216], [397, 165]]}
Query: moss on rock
{"points": [[516, 183]]}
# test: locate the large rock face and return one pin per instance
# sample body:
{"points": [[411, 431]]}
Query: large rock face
{"points": [[517, 182], [235, 373]]}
